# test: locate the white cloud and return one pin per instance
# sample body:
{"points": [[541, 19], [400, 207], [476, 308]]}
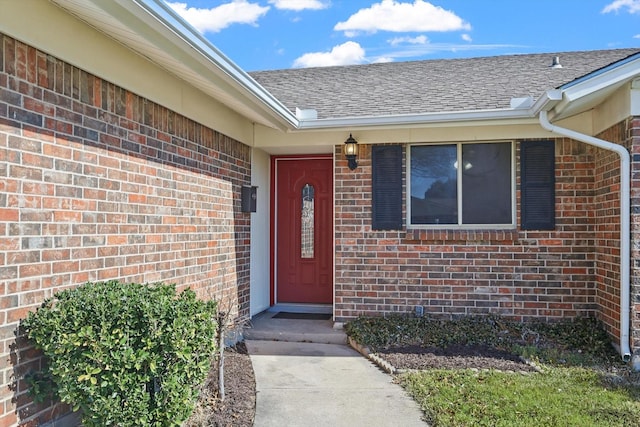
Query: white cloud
{"points": [[408, 40], [349, 53], [632, 6], [466, 37], [298, 5], [395, 16], [637, 36], [422, 50], [220, 17]]}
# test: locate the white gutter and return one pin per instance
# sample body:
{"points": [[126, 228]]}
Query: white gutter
{"points": [[417, 119], [625, 218], [619, 71], [525, 112]]}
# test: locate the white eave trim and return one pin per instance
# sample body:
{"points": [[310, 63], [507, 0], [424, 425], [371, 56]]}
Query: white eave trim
{"points": [[607, 78], [549, 98], [610, 75], [169, 18], [416, 119]]}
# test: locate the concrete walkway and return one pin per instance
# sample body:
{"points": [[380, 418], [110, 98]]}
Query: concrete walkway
{"points": [[319, 384]]}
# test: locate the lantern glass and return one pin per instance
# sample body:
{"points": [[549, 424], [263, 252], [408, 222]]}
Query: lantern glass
{"points": [[351, 149]]}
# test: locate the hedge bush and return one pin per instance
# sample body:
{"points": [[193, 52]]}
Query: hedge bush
{"points": [[124, 354]]}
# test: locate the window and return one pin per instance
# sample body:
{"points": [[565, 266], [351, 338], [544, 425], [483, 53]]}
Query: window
{"points": [[307, 222], [464, 184]]}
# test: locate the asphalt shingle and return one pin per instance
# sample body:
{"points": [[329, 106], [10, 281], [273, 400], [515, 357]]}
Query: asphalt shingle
{"points": [[430, 86]]}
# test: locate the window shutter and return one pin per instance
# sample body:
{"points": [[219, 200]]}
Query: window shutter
{"points": [[386, 199], [537, 185]]}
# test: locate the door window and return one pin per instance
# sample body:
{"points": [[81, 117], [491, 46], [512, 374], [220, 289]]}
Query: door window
{"points": [[308, 223]]}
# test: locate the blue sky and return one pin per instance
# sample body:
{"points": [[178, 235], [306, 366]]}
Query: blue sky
{"points": [[278, 34]]}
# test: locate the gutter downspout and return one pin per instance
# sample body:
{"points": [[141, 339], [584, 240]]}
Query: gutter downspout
{"points": [[625, 217]]}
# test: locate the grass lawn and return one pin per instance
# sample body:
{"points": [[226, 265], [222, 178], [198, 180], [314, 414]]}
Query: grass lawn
{"points": [[555, 397], [582, 381]]}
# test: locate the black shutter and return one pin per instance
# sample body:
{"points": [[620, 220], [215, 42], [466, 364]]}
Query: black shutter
{"points": [[537, 181], [386, 199]]}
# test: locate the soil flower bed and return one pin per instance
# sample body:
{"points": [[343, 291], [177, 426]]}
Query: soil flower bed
{"points": [[238, 408], [493, 372]]}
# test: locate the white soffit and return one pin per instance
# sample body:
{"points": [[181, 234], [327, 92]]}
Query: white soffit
{"points": [[635, 97], [151, 29]]}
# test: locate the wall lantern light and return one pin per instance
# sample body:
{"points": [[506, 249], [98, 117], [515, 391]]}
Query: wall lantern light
{"points": [[351, 152]]}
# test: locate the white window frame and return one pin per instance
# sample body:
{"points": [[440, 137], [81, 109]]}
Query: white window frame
{"points": [[461, 226]]}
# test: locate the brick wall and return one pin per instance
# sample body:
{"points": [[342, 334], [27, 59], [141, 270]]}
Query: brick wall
{"points": [[607, 229], [633, 136], [519, 274], [97, 184]]}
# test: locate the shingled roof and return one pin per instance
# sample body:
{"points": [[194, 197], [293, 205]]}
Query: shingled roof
{"points": [[430, 86]]}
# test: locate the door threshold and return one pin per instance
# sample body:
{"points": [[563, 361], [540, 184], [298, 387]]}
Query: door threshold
{"points": [[302, 308]]}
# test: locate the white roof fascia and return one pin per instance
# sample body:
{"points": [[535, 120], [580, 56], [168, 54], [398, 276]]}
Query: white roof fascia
{"points": [[168, 17], [607, 78], [620, 70], [418, 119], [548, 99]]}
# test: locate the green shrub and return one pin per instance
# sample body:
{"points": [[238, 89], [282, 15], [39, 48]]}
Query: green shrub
{"points": [[124, 354]]}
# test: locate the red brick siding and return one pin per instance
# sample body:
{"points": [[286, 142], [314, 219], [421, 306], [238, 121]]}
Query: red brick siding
{"points": [[98, 183], [633, 135], [523, 275], [607, 230]]}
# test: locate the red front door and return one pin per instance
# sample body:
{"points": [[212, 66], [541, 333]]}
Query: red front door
{"points": [[303, 235]]}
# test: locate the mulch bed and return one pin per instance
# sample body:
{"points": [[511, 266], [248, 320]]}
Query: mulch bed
{"points": [[239, 406], [453, 357]]}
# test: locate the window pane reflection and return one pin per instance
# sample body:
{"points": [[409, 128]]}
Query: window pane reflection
{"points": [[434, 194], [307, 232], [486, 183]]}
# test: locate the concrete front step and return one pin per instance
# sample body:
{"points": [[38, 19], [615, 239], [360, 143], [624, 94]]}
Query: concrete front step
{"points": [[264, 327]]}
